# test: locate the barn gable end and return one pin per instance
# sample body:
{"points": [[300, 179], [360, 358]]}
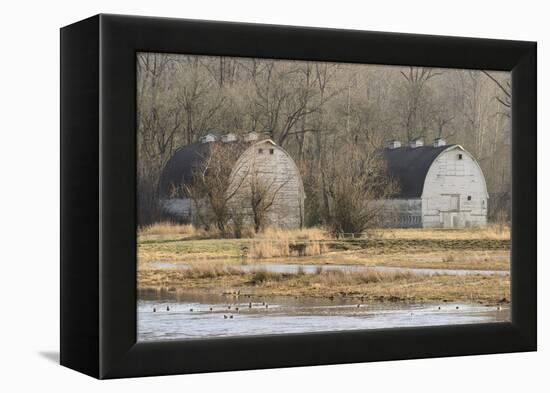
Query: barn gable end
{"points": [[440, 186], [454, 192], [265, 159]]}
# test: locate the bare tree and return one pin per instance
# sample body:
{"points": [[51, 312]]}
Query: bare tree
{"points": [[359, 183], [416, 101], [262, 192], [213, 185], [505, 88]]}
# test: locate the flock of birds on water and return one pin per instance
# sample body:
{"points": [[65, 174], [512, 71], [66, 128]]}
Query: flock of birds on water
{"points": [[265, 305], [251, 305]]}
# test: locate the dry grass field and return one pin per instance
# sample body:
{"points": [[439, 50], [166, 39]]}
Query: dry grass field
{"points": [[214, 264], [473, 248], [367, 286]]}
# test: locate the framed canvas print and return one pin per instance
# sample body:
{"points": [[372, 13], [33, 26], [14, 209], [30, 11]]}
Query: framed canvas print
{"points": [[240, 196]]}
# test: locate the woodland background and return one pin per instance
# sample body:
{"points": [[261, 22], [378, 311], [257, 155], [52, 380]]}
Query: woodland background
{"points": [[331, 117]]}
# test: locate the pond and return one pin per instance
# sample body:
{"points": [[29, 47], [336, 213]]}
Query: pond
{"points": [[164, 315], [314, 268]]}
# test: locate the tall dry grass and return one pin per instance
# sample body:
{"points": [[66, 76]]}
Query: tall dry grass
{"points": [[167, 228], [489, 232], [331, 278], [278, 242], [211, 270], [285, 248], [274, 233]]}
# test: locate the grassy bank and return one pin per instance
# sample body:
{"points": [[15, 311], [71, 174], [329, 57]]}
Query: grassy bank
{"points": [[215, 263], [365, 285], [473, 248]]}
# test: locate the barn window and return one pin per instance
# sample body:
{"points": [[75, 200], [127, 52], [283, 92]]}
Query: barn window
{"points": [[460, 156], [469, 197], [270, 151], [260, 151]]}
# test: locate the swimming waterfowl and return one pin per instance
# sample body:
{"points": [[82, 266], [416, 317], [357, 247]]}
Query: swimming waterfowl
{"points": [[167, 308], [191, 309], [154, 309], [225, 317]]}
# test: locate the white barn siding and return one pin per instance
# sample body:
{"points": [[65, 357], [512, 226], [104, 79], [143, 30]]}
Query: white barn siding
{"points": [[276, 169], [454, 194], [273, 167]]}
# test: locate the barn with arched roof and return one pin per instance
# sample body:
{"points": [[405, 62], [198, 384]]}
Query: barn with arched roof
{"points": [[261, 171], [440, 186]]}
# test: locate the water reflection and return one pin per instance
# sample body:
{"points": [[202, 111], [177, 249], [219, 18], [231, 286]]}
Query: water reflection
{"points": [[199, 315]]}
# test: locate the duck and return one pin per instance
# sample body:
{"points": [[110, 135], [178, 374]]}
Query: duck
{"points": [[191, 309], [237, 309], [231, 317], [167, 308], [154, 309], [225, 317], [211, 308]]}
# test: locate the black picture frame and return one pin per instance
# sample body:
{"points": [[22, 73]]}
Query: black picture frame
{"points": [[98, 196]]}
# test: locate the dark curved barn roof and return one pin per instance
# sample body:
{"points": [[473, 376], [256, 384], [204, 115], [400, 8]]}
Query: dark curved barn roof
{"points": [[409, 167], [179, 168]]}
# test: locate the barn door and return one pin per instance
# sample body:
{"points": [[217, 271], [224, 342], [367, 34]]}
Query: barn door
{"points": [[450, 220], [455, 221], [454, 202], [446, 220]]}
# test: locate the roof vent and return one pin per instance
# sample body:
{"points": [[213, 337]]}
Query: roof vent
{"points": [[439, 142], [251, 137], [393, 144], [208, 138], [417, 142], [229, 137]]}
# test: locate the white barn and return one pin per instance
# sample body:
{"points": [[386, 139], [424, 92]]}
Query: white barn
{"points": [[440, 186], [257, 161]]}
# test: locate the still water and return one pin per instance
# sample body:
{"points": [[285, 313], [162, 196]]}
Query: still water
{"points": [[164, 315], [293, 268]]}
